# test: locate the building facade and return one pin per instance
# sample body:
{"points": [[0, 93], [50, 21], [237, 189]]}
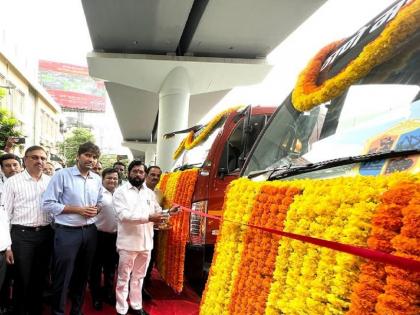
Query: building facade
{"points": [[38, 114]]}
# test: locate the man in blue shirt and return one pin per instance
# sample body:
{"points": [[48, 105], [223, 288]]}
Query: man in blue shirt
{"points": [[74, 197]]}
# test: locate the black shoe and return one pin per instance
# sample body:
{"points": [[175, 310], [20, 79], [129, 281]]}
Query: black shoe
{"points": [[137, 312], [97, 305], [146, 295]]}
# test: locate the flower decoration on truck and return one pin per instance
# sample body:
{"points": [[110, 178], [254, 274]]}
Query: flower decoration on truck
{"points": [[257, 272], [308, 93], [190, 142], [178, 187]]}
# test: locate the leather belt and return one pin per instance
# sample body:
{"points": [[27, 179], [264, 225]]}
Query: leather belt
{"points": [[74, 227], [30, 228]]}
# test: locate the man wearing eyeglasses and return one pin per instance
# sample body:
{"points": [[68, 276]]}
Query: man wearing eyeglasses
{"points": [[31, 233]]}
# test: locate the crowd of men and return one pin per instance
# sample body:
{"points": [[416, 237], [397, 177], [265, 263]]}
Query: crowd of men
{"points": [[62, 230]]}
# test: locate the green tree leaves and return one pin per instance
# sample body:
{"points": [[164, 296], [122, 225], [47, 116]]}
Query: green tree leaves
{"points": [[71, 144]]}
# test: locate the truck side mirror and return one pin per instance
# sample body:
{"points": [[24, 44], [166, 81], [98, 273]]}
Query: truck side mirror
{"points": [[222, 172]]}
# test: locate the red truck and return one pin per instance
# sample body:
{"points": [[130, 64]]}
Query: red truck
{"points": [[219, 157]]}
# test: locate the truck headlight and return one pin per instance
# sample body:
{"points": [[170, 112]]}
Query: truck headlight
{"points": [[198, 223]]}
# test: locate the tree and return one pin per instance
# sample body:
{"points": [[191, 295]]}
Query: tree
{"points": [[8, 126], [108, 160], [71, 144]]}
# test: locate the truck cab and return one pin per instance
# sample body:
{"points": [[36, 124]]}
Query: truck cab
{"points": [[219, 158], [377, 117], [331, 186]]}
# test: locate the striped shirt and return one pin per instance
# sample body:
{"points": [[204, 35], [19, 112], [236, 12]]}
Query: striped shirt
{"points": [[5, 240], [21, 199]]}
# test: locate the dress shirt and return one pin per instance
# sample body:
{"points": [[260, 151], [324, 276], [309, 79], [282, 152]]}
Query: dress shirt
{"points": [[133, 206], [107, 218], [3, 179], [69, 188], [5, 240], [21, 199]]}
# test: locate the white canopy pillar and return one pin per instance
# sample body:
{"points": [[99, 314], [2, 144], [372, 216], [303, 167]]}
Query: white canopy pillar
{"points": [[174, 97], [174, 78]]}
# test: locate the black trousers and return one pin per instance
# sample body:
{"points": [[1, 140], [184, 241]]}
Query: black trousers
{"points": [[106, 261], [6, 290], [74, 249], [2, 267], [31, 251]]}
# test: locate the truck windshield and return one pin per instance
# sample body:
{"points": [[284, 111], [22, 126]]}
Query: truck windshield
{"points": [[197, 155], [371, 116]]}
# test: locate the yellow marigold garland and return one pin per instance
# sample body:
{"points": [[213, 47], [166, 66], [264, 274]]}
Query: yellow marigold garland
{"points": [[169, 192], [190, 142], [228, 250], [338, 209], [307, 94]]}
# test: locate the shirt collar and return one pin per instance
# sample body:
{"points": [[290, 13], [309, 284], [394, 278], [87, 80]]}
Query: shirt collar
{"points": [[28, 176], [133, 187], [75, 171], [106, 191]]}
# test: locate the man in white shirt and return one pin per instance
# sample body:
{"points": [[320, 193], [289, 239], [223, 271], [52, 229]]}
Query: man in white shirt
{"points": [[31, 232], [5, 243], [106, 256], [10, 165], [137, 210]]}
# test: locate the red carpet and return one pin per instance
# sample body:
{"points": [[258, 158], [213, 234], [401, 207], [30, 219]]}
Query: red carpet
{"points": [[165, 301]]}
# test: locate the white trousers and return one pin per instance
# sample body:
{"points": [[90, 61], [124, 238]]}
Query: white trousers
{"points": [[134, 264]]}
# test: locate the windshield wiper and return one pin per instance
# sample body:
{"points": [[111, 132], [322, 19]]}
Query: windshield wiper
{"points": [[187, 166], [296, 170], [290, 170]]}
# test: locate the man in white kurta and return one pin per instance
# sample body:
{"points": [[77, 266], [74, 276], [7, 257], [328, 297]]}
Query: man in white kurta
{"points": [[137, 210]]}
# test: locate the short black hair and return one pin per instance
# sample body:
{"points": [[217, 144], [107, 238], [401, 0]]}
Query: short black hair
{"points": [[10, 156], [108, 170], [34, 148], [89, 147], [153, 166], [136, 163], [118, 163]]}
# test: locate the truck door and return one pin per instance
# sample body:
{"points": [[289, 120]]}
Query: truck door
{"points": [[233, 154]]}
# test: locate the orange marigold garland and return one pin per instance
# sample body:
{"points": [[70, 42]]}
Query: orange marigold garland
{"points": [[386, 224], [308, 93], [178, 234], [252, 285], [402, 289], [162, 183]]}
